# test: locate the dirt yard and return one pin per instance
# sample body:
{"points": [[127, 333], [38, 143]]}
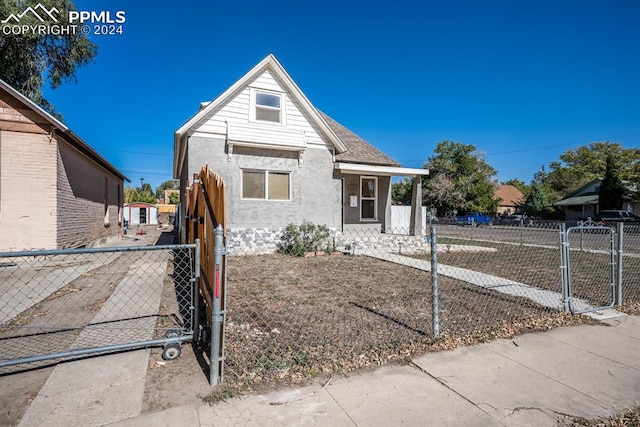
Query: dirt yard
{"points": [[295, 320]]}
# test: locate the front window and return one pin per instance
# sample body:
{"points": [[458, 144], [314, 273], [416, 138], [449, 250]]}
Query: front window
{"points": [[268, 107], [266, 185], [368, 204]]}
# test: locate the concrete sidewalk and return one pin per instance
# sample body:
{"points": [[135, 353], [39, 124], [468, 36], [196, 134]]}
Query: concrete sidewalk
{"points": [[84, 392], [535, 379]]}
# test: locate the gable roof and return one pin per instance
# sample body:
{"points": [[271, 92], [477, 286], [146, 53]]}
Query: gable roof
{"points": [[580, 196], [581, 191], [270, 63], [358, 150], [62, 130], [509, 195]]}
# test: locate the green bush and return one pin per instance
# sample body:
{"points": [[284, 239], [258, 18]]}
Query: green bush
{"points": [[297, 240]]}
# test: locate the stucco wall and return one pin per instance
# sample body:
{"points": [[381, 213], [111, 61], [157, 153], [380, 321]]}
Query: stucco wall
{"points": [[27, 191], [352, 188], [315, 193]]}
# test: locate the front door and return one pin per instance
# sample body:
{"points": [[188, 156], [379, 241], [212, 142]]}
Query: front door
{"points": [[143, 215]]}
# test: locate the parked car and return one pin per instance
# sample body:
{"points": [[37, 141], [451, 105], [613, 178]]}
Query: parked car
{"points": [[473, 219], [514, 219], [615, 216]]}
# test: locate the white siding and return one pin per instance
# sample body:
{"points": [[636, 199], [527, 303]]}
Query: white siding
{"points": [[268, 82], [236, 112]]}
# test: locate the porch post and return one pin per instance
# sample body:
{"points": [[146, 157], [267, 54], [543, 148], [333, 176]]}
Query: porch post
{"points": [[387, 211], [416, 227]]}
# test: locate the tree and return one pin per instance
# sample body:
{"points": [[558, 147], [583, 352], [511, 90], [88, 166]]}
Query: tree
{"points": [[29, 58], [611, 189], [131, 195], [174, 198], [459, 180], [537, 203], [141, 194], [146, 193], [441, 193], [583, 164], [172, 184], [401, 192]]}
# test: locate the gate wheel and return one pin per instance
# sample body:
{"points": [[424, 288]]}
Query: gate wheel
{"points": [[171, 351]]}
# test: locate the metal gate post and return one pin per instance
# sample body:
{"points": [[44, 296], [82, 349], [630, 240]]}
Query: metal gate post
{"points": [[521, 231], [434, 283], [195, 295], [564, 267], [620, 229], [217, 361]]}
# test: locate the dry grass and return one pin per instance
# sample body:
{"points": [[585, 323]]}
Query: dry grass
{"points": [[540, 267], [628, 418], [293, 319]]}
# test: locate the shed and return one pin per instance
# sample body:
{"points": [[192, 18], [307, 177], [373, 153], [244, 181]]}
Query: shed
{"points": [[140, 213]]}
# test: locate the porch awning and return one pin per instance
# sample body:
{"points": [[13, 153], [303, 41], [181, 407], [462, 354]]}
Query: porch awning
{"points": [[356, 168], [578, 201]]}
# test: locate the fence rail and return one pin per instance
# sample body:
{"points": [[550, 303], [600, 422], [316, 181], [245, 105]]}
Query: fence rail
{"points": [[60, 304], [363, 298]]}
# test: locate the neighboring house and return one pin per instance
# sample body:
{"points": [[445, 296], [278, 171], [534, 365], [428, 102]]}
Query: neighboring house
{"points": [[140, 213], [166, 198], [583, 202], [55, 190], [510, 199], [283, 161]]}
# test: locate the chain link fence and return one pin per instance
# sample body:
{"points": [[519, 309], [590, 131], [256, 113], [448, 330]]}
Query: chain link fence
{"points": [[361, 298], [61, 304], [629, 269]]}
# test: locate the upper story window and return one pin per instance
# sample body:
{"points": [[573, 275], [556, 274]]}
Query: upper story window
{"points": [[267, 107]]}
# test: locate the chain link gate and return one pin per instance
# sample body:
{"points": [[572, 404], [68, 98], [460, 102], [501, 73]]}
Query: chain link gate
{"points": [[62, 304], [588, 264]]}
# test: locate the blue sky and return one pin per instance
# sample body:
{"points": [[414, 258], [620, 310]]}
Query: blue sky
{"points": [[523, 81]]}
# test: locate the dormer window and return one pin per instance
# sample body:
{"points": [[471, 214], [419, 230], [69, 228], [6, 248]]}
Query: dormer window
{"points": [[266, 107]]}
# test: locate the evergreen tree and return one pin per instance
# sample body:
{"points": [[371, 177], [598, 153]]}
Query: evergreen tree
{"points": [[611, 189], [537, 202]]}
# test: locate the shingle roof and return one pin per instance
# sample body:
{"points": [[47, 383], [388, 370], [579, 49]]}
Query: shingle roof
{"points": [[510, 195], [358, 150]]}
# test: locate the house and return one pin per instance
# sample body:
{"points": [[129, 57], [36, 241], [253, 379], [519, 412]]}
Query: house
{"points": [[511, 198], [583, 202], [140, 213], [55, 190], [283, 161]]}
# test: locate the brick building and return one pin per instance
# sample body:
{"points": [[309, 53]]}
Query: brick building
{"points": [[55, 190]]}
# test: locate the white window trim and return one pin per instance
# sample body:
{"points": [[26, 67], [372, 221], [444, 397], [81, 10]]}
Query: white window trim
{"points": [[252, 106], [266, 185], [374, 198]]}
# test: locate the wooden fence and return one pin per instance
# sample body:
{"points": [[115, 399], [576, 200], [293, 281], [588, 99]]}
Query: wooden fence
{"points": [[205, 211]]}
